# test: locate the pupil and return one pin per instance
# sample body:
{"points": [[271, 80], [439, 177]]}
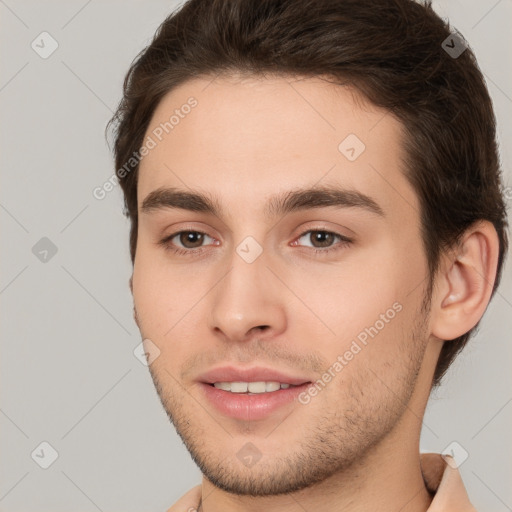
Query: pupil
{"points": [[187, 238], [322, 234]]}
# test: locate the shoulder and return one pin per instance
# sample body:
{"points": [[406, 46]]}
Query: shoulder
{"points": [[188, 502]]}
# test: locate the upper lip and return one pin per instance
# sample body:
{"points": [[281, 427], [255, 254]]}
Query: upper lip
{"points": [[254, 374]]}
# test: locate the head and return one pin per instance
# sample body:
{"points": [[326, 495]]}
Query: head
{"points": [[238, 106]]}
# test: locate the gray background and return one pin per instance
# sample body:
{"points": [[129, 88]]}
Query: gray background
{"points": [[68, 373]]}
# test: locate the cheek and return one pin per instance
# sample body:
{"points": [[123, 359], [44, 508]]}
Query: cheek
{"points": [[374, 360], [168, 301], [155, 294], [369, 300], [351, 294]]}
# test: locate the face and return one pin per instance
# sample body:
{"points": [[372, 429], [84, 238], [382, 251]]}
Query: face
{"points": [[250, 275]]}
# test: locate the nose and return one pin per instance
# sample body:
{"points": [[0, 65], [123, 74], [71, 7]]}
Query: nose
{"points": [[248, 302]]}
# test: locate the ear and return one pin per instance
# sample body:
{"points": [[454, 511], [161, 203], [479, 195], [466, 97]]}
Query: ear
{"points": [[464, 282]]}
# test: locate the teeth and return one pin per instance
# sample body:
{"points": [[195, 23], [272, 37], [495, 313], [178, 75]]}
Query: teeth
{"points": [[226, 386], [269, 386], [251, 387]]}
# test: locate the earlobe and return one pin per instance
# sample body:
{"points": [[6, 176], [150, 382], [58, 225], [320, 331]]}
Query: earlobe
{"points": [[465, 282]]}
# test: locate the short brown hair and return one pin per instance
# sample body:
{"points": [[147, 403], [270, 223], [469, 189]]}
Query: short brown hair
{"points": [[389, 50]]}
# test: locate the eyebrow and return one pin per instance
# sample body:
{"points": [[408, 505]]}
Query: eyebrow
{"points": [[278, 205]]}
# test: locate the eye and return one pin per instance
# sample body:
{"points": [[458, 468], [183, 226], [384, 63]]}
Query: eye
{"points": [[191, 241], [322, 240], [184, 242]]}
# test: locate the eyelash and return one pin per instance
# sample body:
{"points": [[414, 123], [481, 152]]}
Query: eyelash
{"points": [[168, 246]]}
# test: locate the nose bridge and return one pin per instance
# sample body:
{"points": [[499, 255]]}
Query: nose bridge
{"points": [[246, 297]]}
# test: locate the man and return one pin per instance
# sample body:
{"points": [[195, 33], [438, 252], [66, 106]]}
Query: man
{"points": [[317, 226]]}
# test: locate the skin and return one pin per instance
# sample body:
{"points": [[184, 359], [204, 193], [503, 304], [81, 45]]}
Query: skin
{"points": [[355, 445]]}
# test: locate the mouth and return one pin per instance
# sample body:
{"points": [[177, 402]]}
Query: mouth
{"points": [[253, 388], [251, 393], [251, 401]]}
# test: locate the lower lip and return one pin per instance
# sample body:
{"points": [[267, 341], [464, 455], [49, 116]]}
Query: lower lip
{"points": [[247, 407]]}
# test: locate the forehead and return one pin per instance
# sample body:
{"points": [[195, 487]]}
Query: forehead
{"points": [[251, 136]]}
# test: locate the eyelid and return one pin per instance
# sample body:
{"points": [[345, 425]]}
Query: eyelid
{"points": [[323, 229], [188, 229]]}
